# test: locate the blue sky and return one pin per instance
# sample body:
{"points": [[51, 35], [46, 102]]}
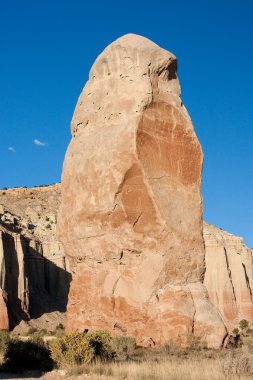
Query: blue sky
{"points": [[48, 47]]}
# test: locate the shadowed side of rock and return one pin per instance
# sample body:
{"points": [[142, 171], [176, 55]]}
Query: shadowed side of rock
{"points": [[34, 275]]}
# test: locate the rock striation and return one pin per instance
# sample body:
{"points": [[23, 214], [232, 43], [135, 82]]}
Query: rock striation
{"points": [[34, 274], [34, 277], [130, 218], [229, 275]]}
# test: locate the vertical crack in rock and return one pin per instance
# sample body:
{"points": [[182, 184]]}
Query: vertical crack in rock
{"points": [[137, 219], [247, 279], [229, 273], [194, 313]]}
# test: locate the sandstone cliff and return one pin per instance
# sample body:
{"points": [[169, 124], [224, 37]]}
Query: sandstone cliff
{"points": [[229, 275], [34, 277], [131, 212]]}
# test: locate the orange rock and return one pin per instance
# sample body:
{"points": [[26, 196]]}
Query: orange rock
{"points": [[131, 212]]}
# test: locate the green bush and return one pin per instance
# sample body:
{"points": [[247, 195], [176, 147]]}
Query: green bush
{"points": [[4, 340], [73, 348], [27, 355], [244, 324], [100, 341]]}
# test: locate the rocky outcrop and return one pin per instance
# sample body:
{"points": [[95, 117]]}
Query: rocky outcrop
{"points": [[131, 212], [229, 275], [34, 276]]}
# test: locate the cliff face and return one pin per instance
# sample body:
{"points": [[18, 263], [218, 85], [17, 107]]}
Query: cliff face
{"points": [[34, 277], [131, 212], [229, 275]]}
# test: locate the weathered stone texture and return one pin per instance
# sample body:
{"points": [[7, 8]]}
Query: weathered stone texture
{"points": [[229, 275], [34, 275], [131, 212], [4, 320]]}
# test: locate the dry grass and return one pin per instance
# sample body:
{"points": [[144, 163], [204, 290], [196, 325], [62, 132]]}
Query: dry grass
{"points": [[197, 367]]}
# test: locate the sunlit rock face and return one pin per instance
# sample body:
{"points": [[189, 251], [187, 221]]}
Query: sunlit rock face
{"points": [[229, 275], [131, 212]]}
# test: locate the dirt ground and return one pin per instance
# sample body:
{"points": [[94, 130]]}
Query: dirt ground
{"points": [[54, 375]]}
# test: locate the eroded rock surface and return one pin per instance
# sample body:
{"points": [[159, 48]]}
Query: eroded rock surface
{"points": [[34, 277], [131, 212], [4, 320], [229, 275]]}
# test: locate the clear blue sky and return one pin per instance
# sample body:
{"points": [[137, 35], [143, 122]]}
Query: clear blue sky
{"points": [[48, 47]]}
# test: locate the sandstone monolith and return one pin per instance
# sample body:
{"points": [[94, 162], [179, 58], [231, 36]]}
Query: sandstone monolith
{"points": [[131, 212]]}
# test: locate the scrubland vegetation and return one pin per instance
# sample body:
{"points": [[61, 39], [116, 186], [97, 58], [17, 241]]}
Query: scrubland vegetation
{"points": [[98, 353]]}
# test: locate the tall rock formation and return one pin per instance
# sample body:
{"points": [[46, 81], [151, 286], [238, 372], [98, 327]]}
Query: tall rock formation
{"points": [[34, 277], [131, 212], [229, 275]]}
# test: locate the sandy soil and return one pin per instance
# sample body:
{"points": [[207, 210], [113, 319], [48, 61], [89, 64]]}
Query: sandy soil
{"points": [[54, 375]]}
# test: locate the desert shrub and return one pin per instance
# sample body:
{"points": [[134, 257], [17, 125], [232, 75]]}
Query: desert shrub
{"points": [[172, 348], [4, 340], [238, 365], [27, 355], [234, 339], [242, 336], [243, 324], [195, 342], [71, 349], [100, 341], [247, 341], [60, 327], [59, 330], [123, 347], [235, 331], [249, 331]]}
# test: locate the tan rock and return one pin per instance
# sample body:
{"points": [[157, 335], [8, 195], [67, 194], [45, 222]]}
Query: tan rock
{"points": [[229, 275], [33, 269], [131, 212], [4, 320]]}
